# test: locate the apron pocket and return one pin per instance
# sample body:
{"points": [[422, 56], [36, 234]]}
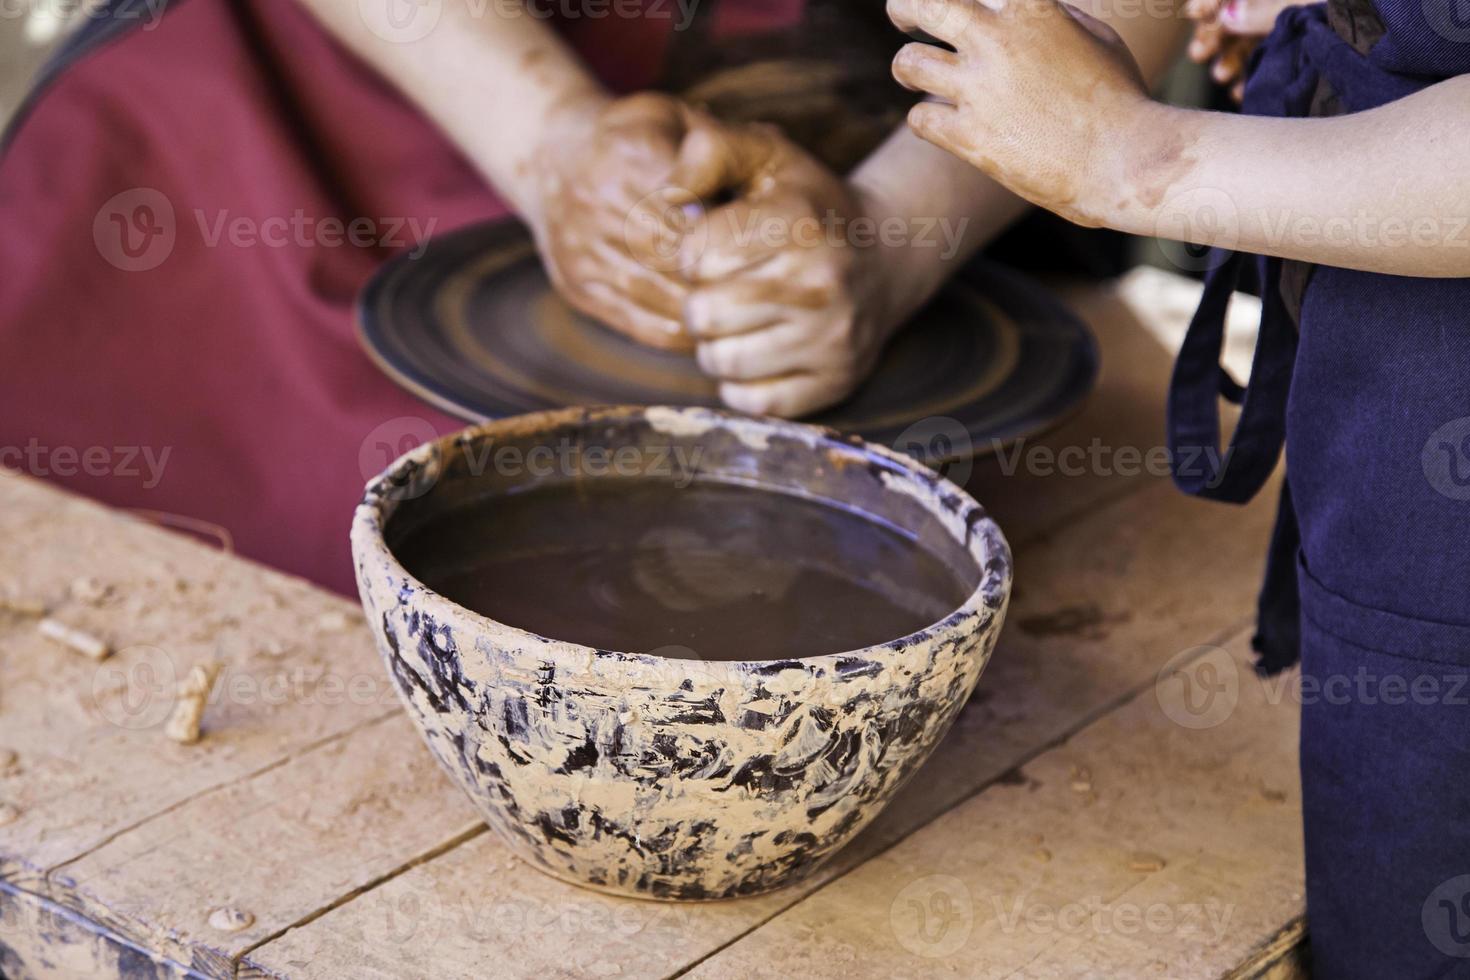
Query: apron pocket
{"points": [[1385, 788], [1378, 630]]}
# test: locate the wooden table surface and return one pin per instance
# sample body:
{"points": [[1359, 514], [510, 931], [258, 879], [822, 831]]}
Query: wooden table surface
{"points": [[1119, 798]]}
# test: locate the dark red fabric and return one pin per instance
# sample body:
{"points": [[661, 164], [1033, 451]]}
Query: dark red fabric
{"points": [[237, 360]]}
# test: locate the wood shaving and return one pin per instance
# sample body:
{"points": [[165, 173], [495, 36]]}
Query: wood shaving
{"points": [[74, 639], [22, 607], [1145, 861]]}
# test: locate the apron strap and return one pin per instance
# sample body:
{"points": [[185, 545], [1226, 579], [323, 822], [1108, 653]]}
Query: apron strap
{"points": [[1278, 636], [1199, 381]]}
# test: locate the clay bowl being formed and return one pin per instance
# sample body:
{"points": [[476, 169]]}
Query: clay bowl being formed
{"points": [[676, 778]]}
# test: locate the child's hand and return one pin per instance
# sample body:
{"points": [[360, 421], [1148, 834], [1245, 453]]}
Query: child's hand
{"points": [[1036, 93], [788, 306], [1226, 32]]}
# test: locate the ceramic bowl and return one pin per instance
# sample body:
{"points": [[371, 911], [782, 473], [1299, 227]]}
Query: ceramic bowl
{"points": [[675, 778]]}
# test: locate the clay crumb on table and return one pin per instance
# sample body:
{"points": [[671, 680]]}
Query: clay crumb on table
{"points": [[183, 724]]}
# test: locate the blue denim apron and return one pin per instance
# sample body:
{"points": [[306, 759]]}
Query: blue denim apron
{"points": [[1365, 379]]}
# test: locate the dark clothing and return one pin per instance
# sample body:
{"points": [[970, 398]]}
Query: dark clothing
{"points": [[1366, 379]]}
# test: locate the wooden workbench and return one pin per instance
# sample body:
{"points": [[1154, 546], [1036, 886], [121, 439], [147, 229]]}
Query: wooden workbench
{"points": [[1119, 799]]}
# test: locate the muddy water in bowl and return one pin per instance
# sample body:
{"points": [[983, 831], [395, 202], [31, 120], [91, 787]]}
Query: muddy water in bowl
{"points": [[839, 603], [708, 570]]}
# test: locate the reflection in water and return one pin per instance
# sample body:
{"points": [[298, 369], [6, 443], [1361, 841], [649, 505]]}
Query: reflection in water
{"points": [[727, 572]]}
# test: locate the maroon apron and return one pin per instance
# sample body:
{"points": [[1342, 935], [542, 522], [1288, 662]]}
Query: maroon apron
{"points": [[191, 204]]}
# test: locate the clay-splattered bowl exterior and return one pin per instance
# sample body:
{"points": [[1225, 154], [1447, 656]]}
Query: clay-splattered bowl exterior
{"points": [[674, 778]]}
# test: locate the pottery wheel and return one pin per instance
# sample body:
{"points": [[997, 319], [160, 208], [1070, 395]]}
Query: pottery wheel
{"points": [[473, 326]]}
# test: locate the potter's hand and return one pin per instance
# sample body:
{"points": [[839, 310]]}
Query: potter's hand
{"points": [[1036, 94], [603, 173], [788, 308]]}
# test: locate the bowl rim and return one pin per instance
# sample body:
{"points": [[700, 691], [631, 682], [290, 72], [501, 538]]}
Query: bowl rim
{"points": [[984, 540]]}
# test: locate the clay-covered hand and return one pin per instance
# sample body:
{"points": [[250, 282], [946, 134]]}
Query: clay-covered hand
{"points": [[788, 305], [1037, 94], [602, 228]]}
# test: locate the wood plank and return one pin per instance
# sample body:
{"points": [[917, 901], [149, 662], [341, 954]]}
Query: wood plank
{"points": [[1055, 671], [1140, 847], [40, 940], [86, 757], [278, 848]]}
